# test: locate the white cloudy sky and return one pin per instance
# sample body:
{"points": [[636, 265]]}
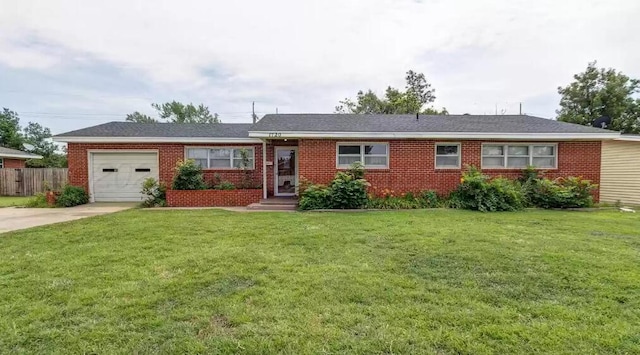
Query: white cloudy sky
{"points": [[71, 64]]}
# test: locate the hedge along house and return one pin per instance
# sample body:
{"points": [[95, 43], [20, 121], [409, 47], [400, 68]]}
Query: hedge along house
{"points": [[402, 153]]}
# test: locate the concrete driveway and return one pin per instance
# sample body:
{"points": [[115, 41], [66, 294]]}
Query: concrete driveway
{"points": [[14, 218]]}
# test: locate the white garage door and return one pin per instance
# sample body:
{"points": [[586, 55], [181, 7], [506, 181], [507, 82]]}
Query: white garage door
{"points": [[119, 176]]}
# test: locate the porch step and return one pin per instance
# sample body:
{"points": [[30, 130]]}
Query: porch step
{"points": [[280, 201], [271, 207]]}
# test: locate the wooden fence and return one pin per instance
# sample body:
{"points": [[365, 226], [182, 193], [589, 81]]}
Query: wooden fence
{"points": [[30, 181]]}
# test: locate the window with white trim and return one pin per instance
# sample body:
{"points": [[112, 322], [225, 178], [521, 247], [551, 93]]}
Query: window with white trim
{"points": [[1, 163], [447, 156], [371, 155], [220, 158], [519, 156]]}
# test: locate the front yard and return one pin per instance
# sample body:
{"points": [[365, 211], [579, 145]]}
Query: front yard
{"points": [[209, 281], [11, 201]]}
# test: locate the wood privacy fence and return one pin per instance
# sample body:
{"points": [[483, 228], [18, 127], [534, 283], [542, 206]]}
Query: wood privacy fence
{"points": [[30, 181]]}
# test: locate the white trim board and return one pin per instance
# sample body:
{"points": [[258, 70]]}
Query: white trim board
{"points": [[434, 135], [20, 156], [154, 140]]}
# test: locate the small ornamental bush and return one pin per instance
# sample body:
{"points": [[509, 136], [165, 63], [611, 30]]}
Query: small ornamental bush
{"points": [[38, 200], [156, 193], [188, 176], [481, 193], [315, 197], [423, 199], [348, 190], [571, 192], [72, 196]]}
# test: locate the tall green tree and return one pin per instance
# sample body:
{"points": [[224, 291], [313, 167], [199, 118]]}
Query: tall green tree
{"points": [[37, 140], [417, 93], [140, 118], [10, 131], [600, 92], [176, 112]]}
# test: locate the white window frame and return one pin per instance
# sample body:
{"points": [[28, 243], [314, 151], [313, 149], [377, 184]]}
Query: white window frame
{"points": [[1, 163], [435, 160], [231, 156], [505, 155], [362, 155]]}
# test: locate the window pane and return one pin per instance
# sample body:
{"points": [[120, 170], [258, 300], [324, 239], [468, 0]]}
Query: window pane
{"points": [[349, 149], [544, 162], [518, 150], [201, 162], [492, 150], [446, 162], [237, 153], [197, 154], [375, 161], [347, 160], [237, 163], [220, 153], [517, 162], [492, 162], [219, 163], [377, 149], [447, 150], [543, 150]]}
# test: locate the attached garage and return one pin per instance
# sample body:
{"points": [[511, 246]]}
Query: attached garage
{"points": [[620, 176], [118, 175]]}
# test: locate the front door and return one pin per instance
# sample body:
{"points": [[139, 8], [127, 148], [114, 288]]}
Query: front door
{"points": [[286, 171]]}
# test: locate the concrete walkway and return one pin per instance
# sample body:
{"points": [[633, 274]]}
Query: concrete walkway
{"points": [[14, 218]]}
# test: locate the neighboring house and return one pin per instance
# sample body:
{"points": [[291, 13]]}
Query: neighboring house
{"points": [[620, 180], [13, 158], [400, 152]]}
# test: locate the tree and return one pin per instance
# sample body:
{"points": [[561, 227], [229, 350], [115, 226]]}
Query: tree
{"points": [[417, 94], [601, 92], [140, 118], [10, 131], [177, 112], [38, 141]]}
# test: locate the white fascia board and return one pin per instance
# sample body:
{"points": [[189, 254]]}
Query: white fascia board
{"points": [[629, 138], [435, 135], [20, 156], [154, 140]]}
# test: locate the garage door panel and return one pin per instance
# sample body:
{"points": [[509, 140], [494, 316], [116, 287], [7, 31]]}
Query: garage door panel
{"points": [[115, 177]]}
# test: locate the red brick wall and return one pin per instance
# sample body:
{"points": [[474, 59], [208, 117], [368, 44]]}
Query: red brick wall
{"points": [[206, 198], [168, 156], [412, 164], [10, 163]]}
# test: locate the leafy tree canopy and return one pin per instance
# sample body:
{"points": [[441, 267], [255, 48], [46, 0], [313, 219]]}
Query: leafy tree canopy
{"points": [[10, 130], [418, 93], [600, 92], [176, 112]]}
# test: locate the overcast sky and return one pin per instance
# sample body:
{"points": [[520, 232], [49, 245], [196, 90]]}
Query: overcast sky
{"points": [[72, 64]]}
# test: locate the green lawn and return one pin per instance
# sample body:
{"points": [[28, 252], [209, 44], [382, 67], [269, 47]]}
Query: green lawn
{"points": [[10, 201], [208, 281]]}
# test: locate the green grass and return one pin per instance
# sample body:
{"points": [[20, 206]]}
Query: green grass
{"points": [[208, 281], [10, 201]]}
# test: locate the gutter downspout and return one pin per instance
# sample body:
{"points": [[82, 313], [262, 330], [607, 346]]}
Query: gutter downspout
{"points": [[264, 169]]}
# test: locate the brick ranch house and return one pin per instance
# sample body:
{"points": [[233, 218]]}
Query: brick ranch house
{"points": [[400, 152], [15, 159]]}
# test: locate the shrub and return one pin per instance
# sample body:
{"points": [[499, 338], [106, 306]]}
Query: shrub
{"points": [[349, 188], [315, 197], [247, 174], [188, 176], [423, 199], [156, 193], [37, 201], [478, 192], [72, 196], [225, 185], [571, 192]]}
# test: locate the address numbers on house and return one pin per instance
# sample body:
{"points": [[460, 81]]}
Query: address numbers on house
{"points": [[275, 134]]}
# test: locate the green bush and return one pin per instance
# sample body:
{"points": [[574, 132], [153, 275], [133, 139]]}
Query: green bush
{"points": [[423, 199], [156, 193], [188, 176], [571, 192], [37, 201], [481, 193], [225, 185], [72, 196], [348, 190]]}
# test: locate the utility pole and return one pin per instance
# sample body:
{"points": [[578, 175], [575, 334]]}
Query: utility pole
{"points": [[276, 110], [521, 109], [253, 111]]}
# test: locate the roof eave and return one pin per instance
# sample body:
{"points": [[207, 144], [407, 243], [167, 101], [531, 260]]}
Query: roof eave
{"points": [[76, 139], [435, 135], [20, 156]]}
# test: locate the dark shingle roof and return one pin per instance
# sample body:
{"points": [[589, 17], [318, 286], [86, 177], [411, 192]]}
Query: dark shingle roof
{"points": [[133, 129], [409, 123]]}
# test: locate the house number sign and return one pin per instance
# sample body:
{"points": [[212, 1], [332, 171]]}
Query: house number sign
{"points": [[275, 134]]}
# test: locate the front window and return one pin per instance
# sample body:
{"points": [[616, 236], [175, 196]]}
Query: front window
{"points": [[371, 155], [448, 156], [1, 163], [519, 156], [220, 158]]}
